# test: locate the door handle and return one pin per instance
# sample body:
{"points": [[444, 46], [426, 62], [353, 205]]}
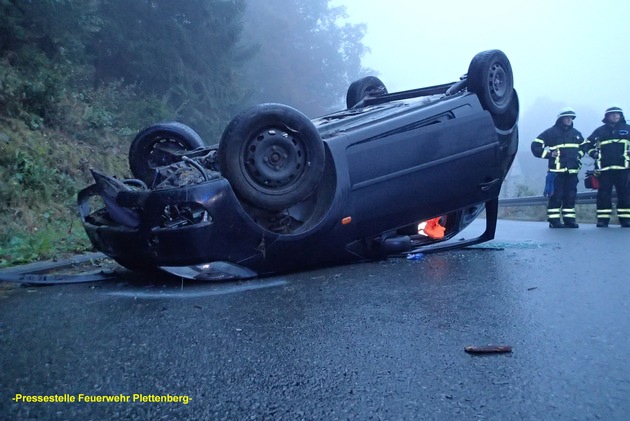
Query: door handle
{"points": [[488, 185]]}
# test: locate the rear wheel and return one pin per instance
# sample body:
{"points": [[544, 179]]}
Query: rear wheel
{"points": [[490, 77], [272, 155], [359, 89], [157, 145]]}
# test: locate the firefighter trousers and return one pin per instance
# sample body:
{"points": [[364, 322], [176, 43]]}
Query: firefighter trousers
{"points": [[562, 201], [619, 179]]}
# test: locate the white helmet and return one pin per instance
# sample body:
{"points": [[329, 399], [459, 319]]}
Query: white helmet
{"points": [[614, 110], [566, 112]]}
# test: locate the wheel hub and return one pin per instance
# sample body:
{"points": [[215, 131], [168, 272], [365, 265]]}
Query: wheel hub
{"points": [[274, 158], [498, 81]]}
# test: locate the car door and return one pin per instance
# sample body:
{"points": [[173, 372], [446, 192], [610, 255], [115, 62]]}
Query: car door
{"points": [[424, 163]]}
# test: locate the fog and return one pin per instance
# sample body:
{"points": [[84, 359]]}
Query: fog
{"points": [[562, 53], [576, 52]]}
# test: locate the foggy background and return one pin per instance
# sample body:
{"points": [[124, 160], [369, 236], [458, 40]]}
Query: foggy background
{"points": [[562, 54], [80, 78]]}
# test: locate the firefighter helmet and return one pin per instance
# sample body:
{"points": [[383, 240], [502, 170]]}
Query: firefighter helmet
{"points": [[566, 112], [613, 110]]}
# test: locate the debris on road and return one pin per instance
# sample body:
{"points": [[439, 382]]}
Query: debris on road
{"points": [[415, 256], [488, 349]]}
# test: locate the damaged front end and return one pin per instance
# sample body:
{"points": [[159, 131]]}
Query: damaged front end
{"points": [[187, 213]]}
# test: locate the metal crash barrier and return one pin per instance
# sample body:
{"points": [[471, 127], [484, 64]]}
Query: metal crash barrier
{"points": [[583, 198]]}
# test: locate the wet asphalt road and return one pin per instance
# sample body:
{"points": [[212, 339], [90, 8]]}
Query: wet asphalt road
{"points": [[381, 340]]}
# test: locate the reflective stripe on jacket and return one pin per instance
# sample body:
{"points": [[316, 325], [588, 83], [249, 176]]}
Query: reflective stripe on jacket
{"points": [[609, 145], [565, 140]]}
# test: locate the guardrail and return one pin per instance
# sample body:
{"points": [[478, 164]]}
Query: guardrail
{"points": [[583, 198]]}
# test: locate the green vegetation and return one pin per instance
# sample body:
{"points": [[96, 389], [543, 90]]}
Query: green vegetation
{"points": [[78, 79]]}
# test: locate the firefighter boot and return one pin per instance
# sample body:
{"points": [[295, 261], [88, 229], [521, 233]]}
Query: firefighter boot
{"points": [[555, 223], [570, 223], [602, 223]]}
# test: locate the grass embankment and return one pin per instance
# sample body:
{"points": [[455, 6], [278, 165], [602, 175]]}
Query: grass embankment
{"points": [[41, 173]]}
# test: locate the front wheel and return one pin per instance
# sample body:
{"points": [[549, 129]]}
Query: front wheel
{"points": [[158, 145], [490, 77], [272, 155]]}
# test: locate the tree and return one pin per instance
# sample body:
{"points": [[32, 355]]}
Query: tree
{"points": [[58, 28], [305, 58], [184, 52], [42, 46]]}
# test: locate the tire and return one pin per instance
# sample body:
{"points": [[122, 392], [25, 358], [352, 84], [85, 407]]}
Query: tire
{"points": [[361, 88], [272, 155], [490, 77], [506, 122], [146, 151]]}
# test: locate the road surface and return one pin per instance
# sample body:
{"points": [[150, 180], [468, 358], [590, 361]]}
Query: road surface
{"points": [[379, 340]]}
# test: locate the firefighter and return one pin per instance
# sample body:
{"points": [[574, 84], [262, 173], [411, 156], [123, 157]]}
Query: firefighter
{"points": [[609, 146], [561, 146]]}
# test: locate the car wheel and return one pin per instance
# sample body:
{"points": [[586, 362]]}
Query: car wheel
{"points": [[490, 77], [272, 155], [361, 88], [506, 122], [153, 147]]}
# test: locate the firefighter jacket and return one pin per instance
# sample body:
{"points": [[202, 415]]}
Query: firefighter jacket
{"points": [[609, 146], [566, 141]]}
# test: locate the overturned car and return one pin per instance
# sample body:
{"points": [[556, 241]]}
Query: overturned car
{"points": [[281, 192]]}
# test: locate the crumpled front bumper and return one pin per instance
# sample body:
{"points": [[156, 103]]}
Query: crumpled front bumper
{"points": [[227, 234]]}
